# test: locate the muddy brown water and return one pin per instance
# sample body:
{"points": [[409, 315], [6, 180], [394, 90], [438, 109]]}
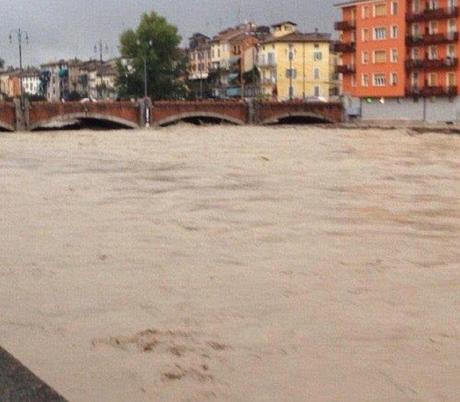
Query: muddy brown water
{"points": [[233, 264]]}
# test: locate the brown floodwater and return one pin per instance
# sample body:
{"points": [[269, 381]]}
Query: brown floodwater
{"points": [[233, 264]]}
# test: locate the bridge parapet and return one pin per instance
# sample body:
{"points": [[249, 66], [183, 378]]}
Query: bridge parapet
{"points": [[7, 116]]}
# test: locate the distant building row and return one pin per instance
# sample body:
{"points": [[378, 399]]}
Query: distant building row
{"points": [[62, 80], [277, 62]]}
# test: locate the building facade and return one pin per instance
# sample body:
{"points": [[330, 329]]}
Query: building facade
{"points": [[295, 65], [31, 81], [400, 59]]}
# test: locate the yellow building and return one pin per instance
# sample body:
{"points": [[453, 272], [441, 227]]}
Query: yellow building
{"points": [[295, 65]]}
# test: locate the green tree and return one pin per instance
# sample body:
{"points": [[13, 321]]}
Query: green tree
{"points": [[2, 63], [158, 42]]}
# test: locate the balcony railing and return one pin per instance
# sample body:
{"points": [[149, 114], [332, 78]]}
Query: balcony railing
{"points": [[346, 69], [436, 14], [431, 39], [426, 64], [267, 64], [341, 47], [430, 91], [344, 25], [268, 81]]}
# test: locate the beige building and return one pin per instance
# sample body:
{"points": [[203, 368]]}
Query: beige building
{"points": [[199, 57], [296, 65]]}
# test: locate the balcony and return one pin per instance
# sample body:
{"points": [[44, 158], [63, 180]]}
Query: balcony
{"points": [[432, 39], [346, 69], [341, 47], [268, 81], [437, 14], [430, 91], [426, 64], [267, 64], [344, 26]]}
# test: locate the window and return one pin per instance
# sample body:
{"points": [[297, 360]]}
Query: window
{"points": [[433, 5], [380, 10], [365, 57], [451, 51], [353, 36], [317, 56], [452, 26], [291, 73], [379, 80], [451, 81], [365, 35], [394, 55], [394, 79], [365, 80], [432, 79], [317, 91], [291, 92], [394, 8], [380, 56], [316, 74], [380, 33], [365, 12], [416, 6], [433, 53], [394, 31], [433, 27]]}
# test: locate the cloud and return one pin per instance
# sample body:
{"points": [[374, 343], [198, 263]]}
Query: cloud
{"points": [[69, 28]]}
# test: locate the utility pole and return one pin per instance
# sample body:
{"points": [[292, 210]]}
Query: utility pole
{"points": [[304, 72], [101, 48], [20, 36], [201, 82], [239, 11], [291, 56]]}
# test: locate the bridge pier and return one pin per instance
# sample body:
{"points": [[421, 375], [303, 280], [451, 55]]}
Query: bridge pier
{"points": [[22, 114]]}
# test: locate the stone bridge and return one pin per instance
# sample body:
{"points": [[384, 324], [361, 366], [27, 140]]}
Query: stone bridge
{"points": [[136, 114]]}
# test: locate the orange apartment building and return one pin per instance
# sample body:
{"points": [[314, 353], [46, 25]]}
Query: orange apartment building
{"points": [[399, 58]]}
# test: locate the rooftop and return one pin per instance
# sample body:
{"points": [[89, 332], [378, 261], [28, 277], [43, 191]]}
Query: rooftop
{"points": [[300, 37]]}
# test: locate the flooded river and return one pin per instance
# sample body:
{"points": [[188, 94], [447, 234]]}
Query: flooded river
{"points": [[233, 264]]}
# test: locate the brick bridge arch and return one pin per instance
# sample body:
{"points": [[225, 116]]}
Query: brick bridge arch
{"points": [[7, 116], [274, 112], [122, 113], [168, 112]]}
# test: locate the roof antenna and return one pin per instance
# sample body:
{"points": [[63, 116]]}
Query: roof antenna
{"points": [[239, 12]]}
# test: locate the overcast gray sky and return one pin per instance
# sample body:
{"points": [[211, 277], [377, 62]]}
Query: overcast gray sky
{"points": [[70, 28]]}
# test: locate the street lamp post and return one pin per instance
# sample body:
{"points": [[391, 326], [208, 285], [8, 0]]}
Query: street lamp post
{"points": [[20, 36], [100, 48], [144, 56]]}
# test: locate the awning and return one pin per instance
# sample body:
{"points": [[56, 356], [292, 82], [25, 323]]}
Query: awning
{"points": [[233, 76], [233, 92]]}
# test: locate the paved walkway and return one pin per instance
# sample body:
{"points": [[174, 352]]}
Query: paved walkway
{"points": [[18, 384]]}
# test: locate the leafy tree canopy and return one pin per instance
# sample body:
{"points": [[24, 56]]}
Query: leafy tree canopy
{"points": [[156, 41]]}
